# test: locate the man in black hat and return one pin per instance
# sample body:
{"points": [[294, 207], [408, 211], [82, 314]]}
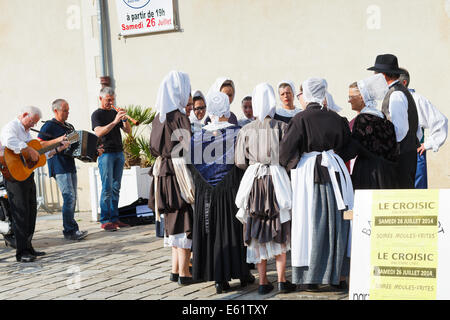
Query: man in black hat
{"points": [[400, 108]]}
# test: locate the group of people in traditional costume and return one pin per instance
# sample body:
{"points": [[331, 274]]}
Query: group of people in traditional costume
{"points": [[240, 192]]}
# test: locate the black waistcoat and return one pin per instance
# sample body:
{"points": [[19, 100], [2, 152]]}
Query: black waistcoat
{"points": [[410, 142]]}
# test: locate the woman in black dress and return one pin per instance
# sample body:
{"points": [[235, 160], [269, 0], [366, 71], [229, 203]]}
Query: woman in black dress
{"points": [[374, 166], [313, 148], [166, 195], [218, 244]]}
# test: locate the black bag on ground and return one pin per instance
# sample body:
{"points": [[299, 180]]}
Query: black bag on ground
{"points": [[137, 213]]}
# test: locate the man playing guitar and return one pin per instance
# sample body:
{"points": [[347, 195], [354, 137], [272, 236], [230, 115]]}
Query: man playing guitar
{"points": [[22, 194]]}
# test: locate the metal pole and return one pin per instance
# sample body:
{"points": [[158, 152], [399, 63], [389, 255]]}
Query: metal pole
{"points": [[40, 190], [102, 24], [101, 37]]}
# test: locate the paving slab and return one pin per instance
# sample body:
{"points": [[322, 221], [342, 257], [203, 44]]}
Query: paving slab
{"points": [[129, 264]]}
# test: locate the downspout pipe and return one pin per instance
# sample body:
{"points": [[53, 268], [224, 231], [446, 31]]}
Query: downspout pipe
{"points": [[105, 80]]}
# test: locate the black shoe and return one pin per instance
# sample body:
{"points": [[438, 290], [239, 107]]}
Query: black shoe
{"points": [[265, 288], [342, 286], [249, 279], [183, 281], [312, 288], [26, 258], [77, 235], [10, 242], [174, 277], [222, 286], [284, 287], [38, 253]]}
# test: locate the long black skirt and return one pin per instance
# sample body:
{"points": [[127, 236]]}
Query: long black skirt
{"points": [[374, 173], [217, 241]]}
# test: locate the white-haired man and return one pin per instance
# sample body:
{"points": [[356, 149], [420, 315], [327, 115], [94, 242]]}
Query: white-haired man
{"points": [[22, 194]]}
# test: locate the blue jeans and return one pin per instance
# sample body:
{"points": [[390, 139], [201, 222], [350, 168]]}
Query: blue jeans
{"points": [[421, 172], [67, 183], [110, 166]]}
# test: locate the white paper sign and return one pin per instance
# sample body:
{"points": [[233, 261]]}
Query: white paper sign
{"points": [[360, 271], [145, 16]]}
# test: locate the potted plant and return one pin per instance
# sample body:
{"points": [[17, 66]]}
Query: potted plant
{"points": [[135, 144]]}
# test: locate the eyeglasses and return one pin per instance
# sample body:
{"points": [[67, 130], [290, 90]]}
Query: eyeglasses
{"points": [[199, 108], [298, 96], [351, 97]]}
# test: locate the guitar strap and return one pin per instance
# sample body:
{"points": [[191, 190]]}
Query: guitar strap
{"points": [[66, 126]]}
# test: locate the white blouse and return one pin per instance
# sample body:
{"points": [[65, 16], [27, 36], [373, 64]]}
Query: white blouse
{"points": [[430, 118]]}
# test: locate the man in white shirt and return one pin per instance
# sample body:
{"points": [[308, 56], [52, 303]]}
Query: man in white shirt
{"points": [[22, 194], [429, 118], [400, 108]]}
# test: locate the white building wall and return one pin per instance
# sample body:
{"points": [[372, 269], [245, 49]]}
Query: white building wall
{"points": [[48, 51]]}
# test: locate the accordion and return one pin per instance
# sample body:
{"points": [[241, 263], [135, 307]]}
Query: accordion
{"points": [[85, 149]]}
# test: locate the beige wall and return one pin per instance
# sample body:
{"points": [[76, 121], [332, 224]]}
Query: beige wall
{"points": [[269, 41], [44, 54], [249, 41]]}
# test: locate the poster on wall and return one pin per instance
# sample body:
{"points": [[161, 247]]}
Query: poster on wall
{"points": [[400, 249], [137, 17]]}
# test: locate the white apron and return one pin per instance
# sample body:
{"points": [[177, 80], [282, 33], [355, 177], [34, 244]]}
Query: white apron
{"points": [[302, 178]]}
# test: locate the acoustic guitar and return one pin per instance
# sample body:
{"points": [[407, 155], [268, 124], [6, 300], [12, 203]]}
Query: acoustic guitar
{"points": [[18, 167]]}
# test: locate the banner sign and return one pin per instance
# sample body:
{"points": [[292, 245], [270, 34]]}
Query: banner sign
{"points": [[399, 246], [146, 16]]}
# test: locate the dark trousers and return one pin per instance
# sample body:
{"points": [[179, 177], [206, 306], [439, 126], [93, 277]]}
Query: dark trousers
{"points": [[407, 165], [22, 199]]}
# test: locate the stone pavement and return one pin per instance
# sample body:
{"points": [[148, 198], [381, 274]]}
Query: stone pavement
{"points": [[128, 264]]}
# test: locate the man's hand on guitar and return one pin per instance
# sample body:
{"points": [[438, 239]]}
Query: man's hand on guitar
{"points": [[64, 145], [34, 155], [61, 139]]}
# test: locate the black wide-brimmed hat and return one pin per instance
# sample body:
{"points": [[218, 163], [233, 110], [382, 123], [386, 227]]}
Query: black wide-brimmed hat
{"points": [[386, 63]]}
